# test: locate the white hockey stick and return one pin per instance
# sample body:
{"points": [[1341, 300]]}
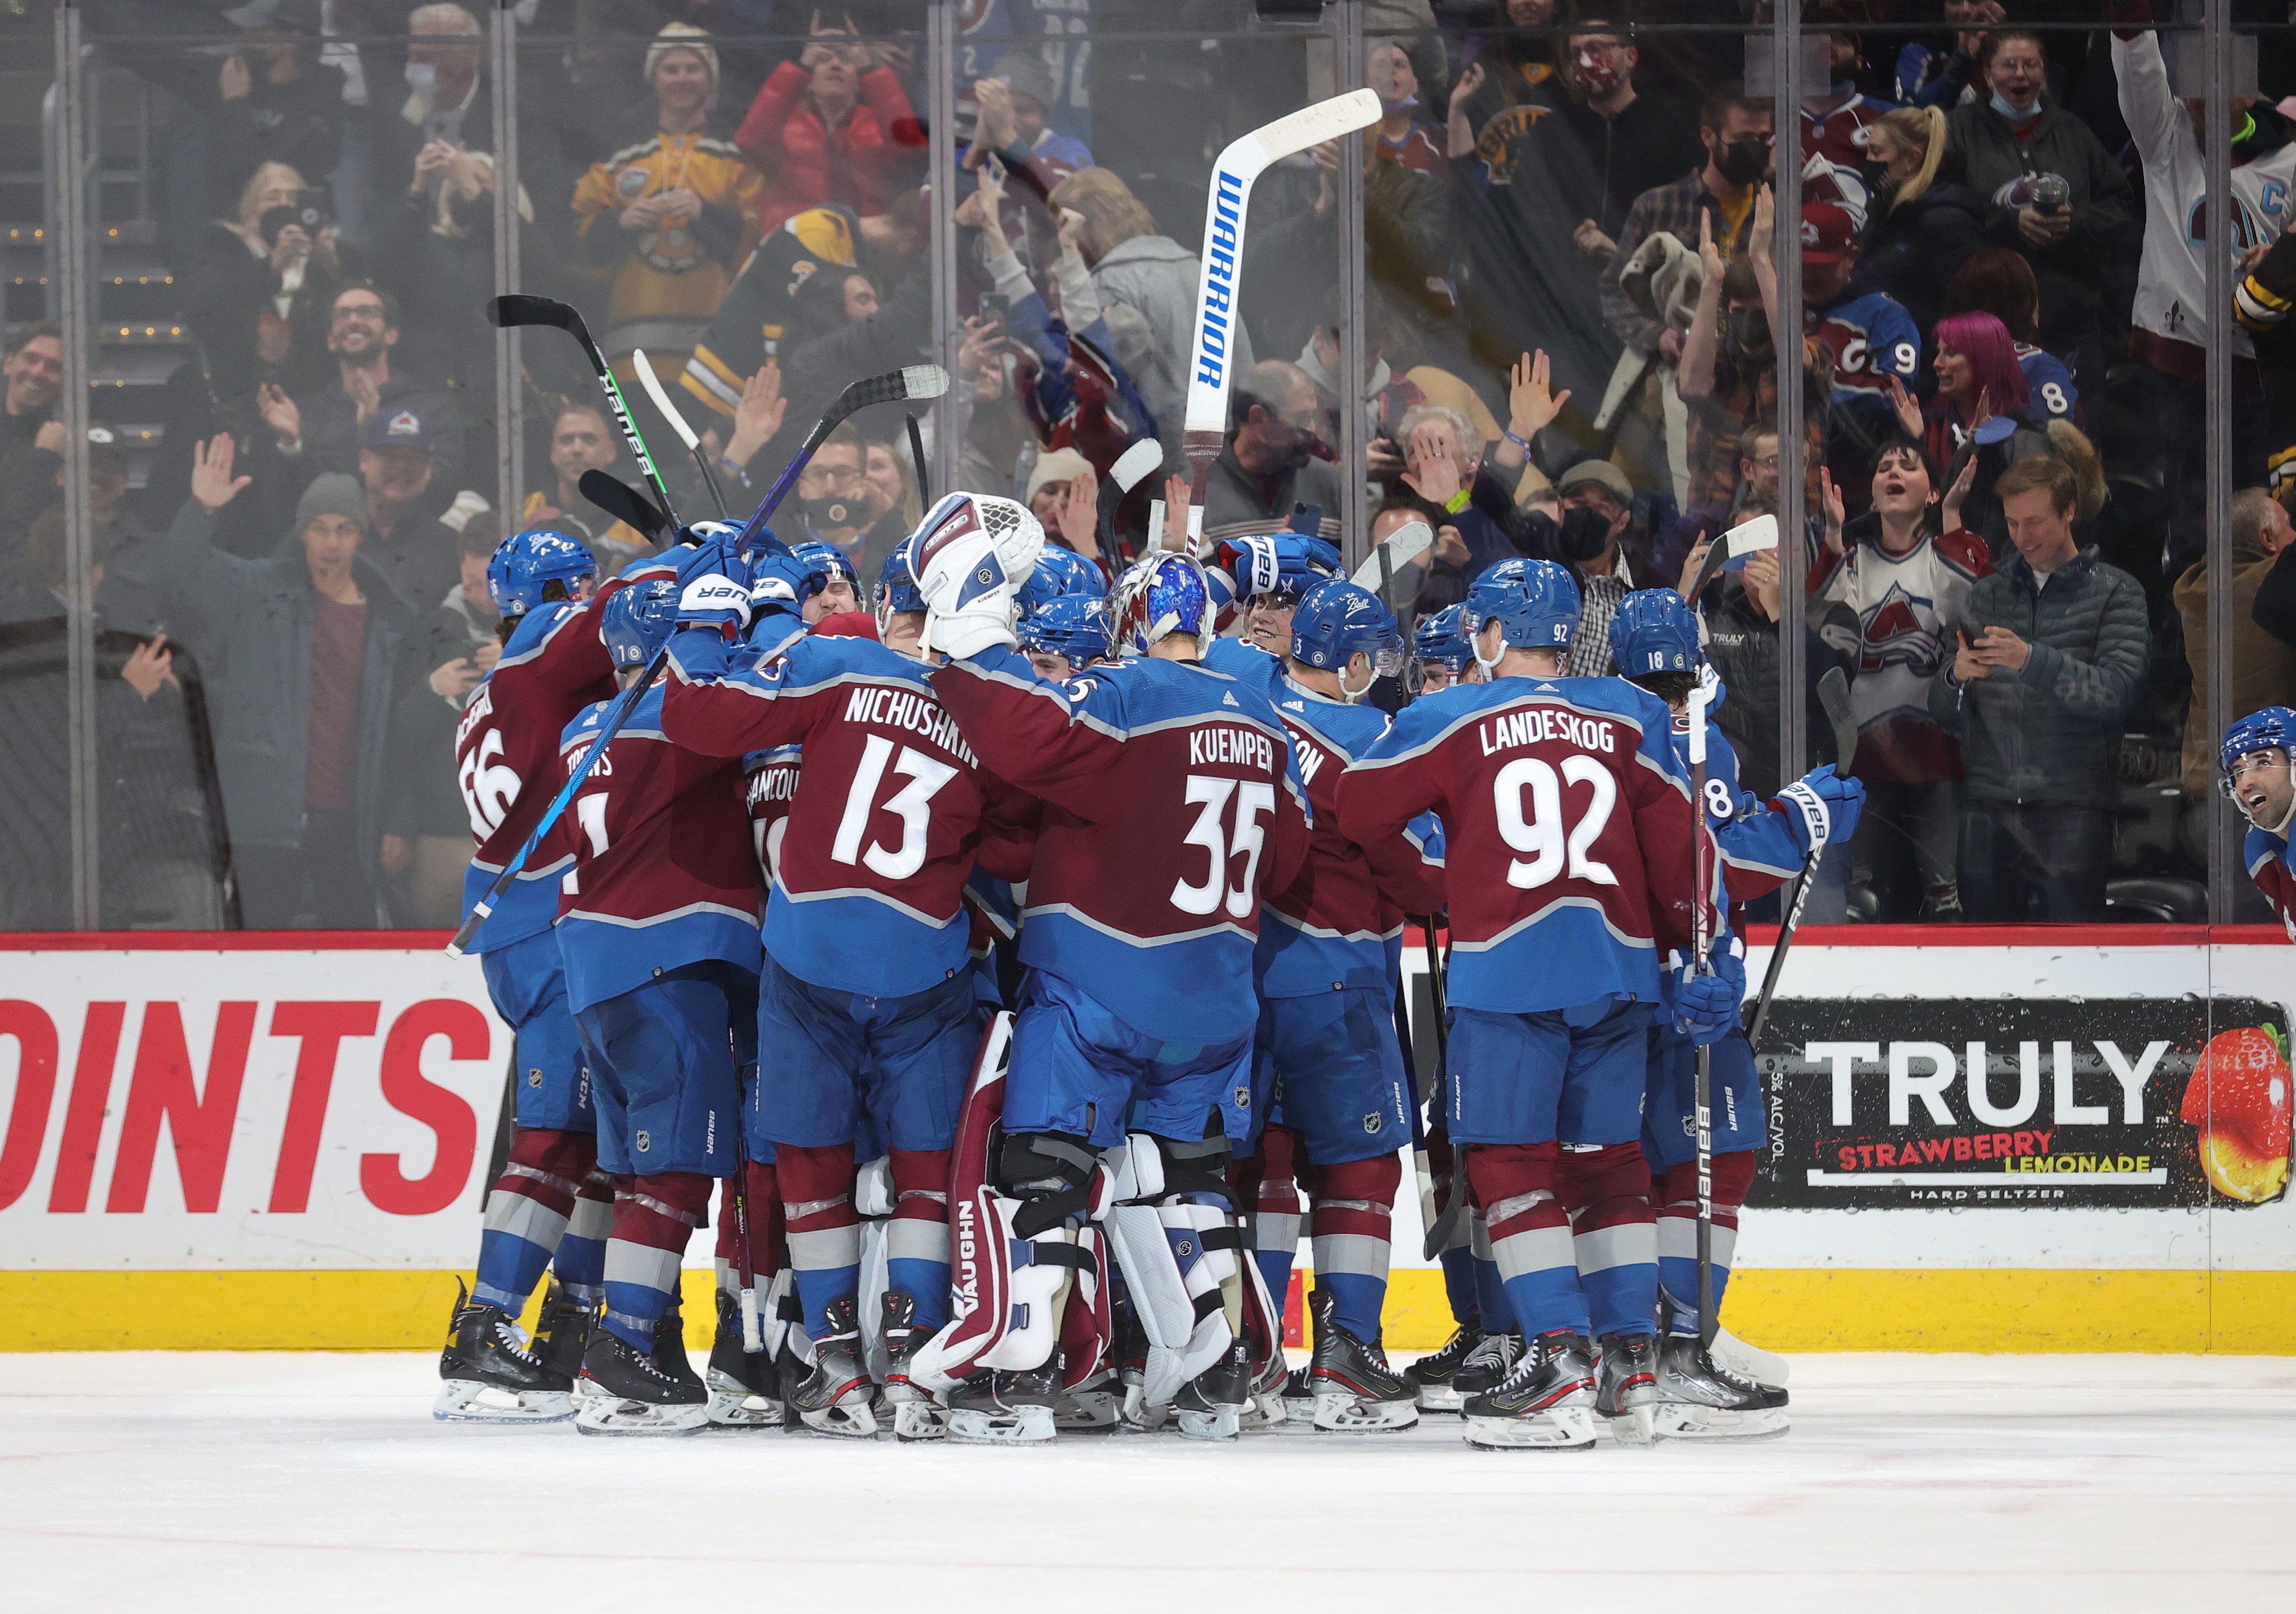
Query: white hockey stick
{"points": [[1210, 369], [685, 433], [1402, 546]]}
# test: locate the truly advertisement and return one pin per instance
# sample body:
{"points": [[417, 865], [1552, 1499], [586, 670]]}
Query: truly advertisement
{"points": [[1879, 1104], [186, 1108]]}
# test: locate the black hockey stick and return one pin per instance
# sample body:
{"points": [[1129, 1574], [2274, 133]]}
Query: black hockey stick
{"points": [[911, 383], [1833, 696], [625, 503], [1441, 1225], [917, 458], [685, 433], [890, 387], [520, 309]]}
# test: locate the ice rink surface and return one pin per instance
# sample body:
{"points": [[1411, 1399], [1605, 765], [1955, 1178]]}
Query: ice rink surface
{"points": [[163, 1482]]}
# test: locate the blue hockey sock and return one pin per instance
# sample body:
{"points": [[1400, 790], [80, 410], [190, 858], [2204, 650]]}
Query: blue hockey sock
{"points": [[1276, 1272], [1459, 1287], [1358, 1299], [509, 1265], [818, 1286], [652, 1224], [581, 1262], [927, 1283], [1492, 1298]]}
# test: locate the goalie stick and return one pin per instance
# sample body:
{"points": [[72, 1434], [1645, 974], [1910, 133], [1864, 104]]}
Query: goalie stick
{"points": [[1833, 697], [1204, 427], [917, 381]]}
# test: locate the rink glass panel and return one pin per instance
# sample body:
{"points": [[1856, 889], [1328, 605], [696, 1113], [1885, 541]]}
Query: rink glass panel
{"points": [[145, 824]]}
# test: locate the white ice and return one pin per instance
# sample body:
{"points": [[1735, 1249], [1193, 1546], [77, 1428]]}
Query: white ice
{"points": [[1946, 1484]]}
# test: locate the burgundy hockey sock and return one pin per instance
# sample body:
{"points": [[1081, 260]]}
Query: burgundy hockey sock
{"points": [[1531, 1235], [1352, 1209], [824, 1232], [1606, 1191], [654, 1217], [916, 1240], [526, 1212], [1678, 1231]]}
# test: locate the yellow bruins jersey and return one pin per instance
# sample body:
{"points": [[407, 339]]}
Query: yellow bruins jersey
{"points": [[675, 274], [746, 330]]}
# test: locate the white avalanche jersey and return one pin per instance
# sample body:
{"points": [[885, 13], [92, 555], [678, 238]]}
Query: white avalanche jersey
{"points": [[2172, 299]]}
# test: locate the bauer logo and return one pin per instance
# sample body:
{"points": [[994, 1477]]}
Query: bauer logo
{"points": [[1880, 1103]]}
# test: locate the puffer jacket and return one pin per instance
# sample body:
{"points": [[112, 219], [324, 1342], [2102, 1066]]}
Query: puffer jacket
{"points": [[2045, 736], [1147, 288]]}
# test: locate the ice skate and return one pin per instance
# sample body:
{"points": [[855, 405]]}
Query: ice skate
{"points": [[745, 1392], [561, 1334], [1269, 1406], [1626, 1397], [1487, 1365], [1210, 1405], [917, 1414], [1699, 1398], [631, 1393], [835, 1398], [1091, 1405], [998, 1407], [1546, 1403], [1350, 1386], [488, 1375], [1432, 1377]]}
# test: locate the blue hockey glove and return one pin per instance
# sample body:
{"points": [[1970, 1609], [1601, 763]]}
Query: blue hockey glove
{"points": [[1706, 1006], [713, 586], [780, 584], [1822, 808]]}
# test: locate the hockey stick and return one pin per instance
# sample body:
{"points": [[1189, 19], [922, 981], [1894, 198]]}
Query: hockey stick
{"points": [[912, 382], [745, 1264], [1833, 696], [1735, 544], [890, 387], [685, 433], [1701, 1090], [520, 309], [1204, 427], [1402, 546], [1439, 1226], [1131, 469], [625, 503], [917, 458]]}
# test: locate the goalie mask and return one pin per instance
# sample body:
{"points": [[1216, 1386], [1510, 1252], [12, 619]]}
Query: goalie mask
{"points": [[1166, 593]]}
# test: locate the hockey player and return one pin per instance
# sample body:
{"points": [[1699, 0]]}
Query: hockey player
{"points": [[1264, 577], [840, 591], [551, 1204], [1172, 806], [1568, 836], [2260, 777], [1328, 1077], [1062, 638], [658, 921], [865, 1002], [1440, 651], [1654, 641]]}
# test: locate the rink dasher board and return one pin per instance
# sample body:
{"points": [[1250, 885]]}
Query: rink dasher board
{"points": [[394, 1123]]}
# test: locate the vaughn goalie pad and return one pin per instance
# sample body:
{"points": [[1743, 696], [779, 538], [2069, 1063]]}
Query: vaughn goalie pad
{"points": [[1086, 1328]]}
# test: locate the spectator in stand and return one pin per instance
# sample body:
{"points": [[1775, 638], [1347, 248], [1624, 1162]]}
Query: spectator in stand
{"points": [[1146, 284], [1442, 456], [1597, 539], [1532, 283], [2008, 150], [1905, 569], [670, 215], [1837, 120], [1268, 464], [828, 127], [455, 639], [2170, 316], [1918, 232], [323, 424], [1736, 130], [2263, 666], [1931, 75], [581, 439], [1403, 136], [746, 332], [1977, 379], [892, 484], [2050, 650], [257, 287], [303, 661], [413, 549], [1628, 141], [1872, 341], [1728, 371], [1064, 492], [1999, 281], [32, 484], [1014, 110], [34, 371], [832, 501], [273, 99]]}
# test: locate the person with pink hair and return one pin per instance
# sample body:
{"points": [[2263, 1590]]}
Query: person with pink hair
{"points": [[1978, 380]]}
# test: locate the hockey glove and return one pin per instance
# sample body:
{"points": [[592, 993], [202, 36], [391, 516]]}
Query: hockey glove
{"points": [[1822, 808], [713, 587], [780, 584], [1706, 1006], [971, 582]]}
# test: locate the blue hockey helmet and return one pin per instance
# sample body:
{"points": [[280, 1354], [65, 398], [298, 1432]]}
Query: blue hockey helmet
{"points": [[1654, 631], [1440, 638], [1334, 621], [1075, 625], [2274, 726], [897, 586], [525, 561], [638, 619], [1534, 603], [1162, 593], [825, 560], [1058, 574]]}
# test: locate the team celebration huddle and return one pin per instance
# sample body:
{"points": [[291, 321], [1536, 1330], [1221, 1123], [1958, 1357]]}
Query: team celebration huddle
{"points": [[1004, 962]]}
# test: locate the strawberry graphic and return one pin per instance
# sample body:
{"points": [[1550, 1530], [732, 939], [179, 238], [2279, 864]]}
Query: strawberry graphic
{"points": [[2239, 1097]]}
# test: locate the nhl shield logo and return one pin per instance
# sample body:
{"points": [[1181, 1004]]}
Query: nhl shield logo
{"points": [[1243, 1097], [643, 1141]]}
